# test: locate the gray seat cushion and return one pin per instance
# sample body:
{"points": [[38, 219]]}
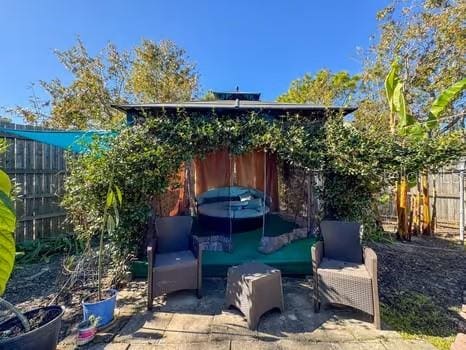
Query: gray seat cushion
{"points": [[345, 283], [343, 268], [175, 260]]}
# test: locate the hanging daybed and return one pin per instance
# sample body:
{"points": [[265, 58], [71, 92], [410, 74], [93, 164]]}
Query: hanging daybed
{"points": [[232, 208]]}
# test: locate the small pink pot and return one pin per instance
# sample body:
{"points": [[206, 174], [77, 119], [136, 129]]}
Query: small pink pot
{"points": [[85, 335]]}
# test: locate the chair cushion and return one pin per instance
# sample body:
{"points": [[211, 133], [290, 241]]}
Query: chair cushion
{"points": [[342, 240], [254, 204], [343, 268], [173, 233], [184, 258], [345, 283]]}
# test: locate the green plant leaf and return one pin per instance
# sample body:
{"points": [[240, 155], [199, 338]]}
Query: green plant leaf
{"points": [[110, 224], [7, 257], [443, 101], [7, 214], [119, 195], [110, 199], [5, 183], [390, 83], [116, 213], [400, 105], [7, 228]]}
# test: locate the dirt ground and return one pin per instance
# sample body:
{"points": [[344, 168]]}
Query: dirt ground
{"points": [[429, 266]]}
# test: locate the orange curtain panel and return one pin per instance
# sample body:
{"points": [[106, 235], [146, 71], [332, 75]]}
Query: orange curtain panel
{"points": [[214, 170], [250, 173]]}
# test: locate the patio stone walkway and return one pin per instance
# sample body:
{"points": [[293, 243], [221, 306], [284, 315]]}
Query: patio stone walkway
{"points": [[183, 322]]}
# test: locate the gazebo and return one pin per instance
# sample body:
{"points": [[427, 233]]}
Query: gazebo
{"points": [[240, 201]]}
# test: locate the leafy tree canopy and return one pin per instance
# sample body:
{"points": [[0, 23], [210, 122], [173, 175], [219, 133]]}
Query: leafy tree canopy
{"points": [[428, 38], [152, 72], [324, 88]]}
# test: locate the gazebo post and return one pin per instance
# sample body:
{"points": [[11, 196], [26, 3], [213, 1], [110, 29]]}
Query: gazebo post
{"points": [[309, 201]]}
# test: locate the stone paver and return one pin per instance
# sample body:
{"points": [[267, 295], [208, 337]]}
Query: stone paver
{"points": [[187, 328], [460, 342], [144, 328], [180, 321], [185, 346], [230, 326]]}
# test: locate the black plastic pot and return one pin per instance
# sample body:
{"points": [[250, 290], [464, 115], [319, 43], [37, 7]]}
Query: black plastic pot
{"points": [[44, 337]]}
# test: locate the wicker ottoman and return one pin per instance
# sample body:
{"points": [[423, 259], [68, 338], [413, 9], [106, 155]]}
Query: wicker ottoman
{"points": [[254, 288]]}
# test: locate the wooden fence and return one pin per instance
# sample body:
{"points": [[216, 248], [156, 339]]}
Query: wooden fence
{"points": [[447, 202], [38, 170]]}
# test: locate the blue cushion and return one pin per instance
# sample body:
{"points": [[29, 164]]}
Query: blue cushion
{"points": [[254, 204]]}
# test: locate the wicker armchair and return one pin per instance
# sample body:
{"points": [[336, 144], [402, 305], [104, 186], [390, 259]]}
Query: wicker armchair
{"points": [[344, 272], [174, 258]]}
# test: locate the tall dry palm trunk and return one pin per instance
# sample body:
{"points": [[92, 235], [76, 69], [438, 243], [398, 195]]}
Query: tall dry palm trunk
{"points": [[433, 220], [402, 209], [426, 224], [415, 223]]}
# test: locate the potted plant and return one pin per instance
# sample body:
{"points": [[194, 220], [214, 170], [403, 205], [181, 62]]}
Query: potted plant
{"points": [[102, 304], [87, 330], [35, 329]]}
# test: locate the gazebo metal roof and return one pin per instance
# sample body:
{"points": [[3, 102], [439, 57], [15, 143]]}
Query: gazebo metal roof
{"points": [[238, 106]]}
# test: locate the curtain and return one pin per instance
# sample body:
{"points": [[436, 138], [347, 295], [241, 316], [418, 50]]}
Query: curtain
{"points": [[250, 173], [214, 170]]}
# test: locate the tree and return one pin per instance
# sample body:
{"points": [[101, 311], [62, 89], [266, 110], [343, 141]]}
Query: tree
{"points": [[162, 73], [427, 37], [414, 132], [150, 73], [324, 88]]}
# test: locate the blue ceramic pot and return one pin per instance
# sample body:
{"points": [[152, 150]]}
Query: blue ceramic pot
{"points": [[103, 309]]}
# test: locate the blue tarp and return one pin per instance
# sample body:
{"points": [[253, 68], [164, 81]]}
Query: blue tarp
{"points": [[74, 141]]}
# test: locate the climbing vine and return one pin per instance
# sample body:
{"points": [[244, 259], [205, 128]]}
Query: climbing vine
{"points": [[146, 157]]}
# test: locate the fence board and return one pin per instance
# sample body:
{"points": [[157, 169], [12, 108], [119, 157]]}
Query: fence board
{"points": [[448, 200], [38, 170]]}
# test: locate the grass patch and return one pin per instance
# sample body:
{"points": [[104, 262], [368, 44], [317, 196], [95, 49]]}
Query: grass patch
{"points": [[416, 316]]}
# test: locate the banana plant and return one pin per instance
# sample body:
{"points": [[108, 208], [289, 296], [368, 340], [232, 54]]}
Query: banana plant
{"points": [[398, 116], [7, 243], [414, 130], [442, 102]]}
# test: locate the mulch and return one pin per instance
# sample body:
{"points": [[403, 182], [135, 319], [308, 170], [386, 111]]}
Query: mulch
{"points": [[433, 267]]}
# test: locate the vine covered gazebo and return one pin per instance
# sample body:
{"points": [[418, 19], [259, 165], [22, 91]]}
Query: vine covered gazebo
{"points": [[251, 201]]}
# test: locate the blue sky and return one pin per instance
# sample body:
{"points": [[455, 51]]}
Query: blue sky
{"points": [[258, 45]]}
